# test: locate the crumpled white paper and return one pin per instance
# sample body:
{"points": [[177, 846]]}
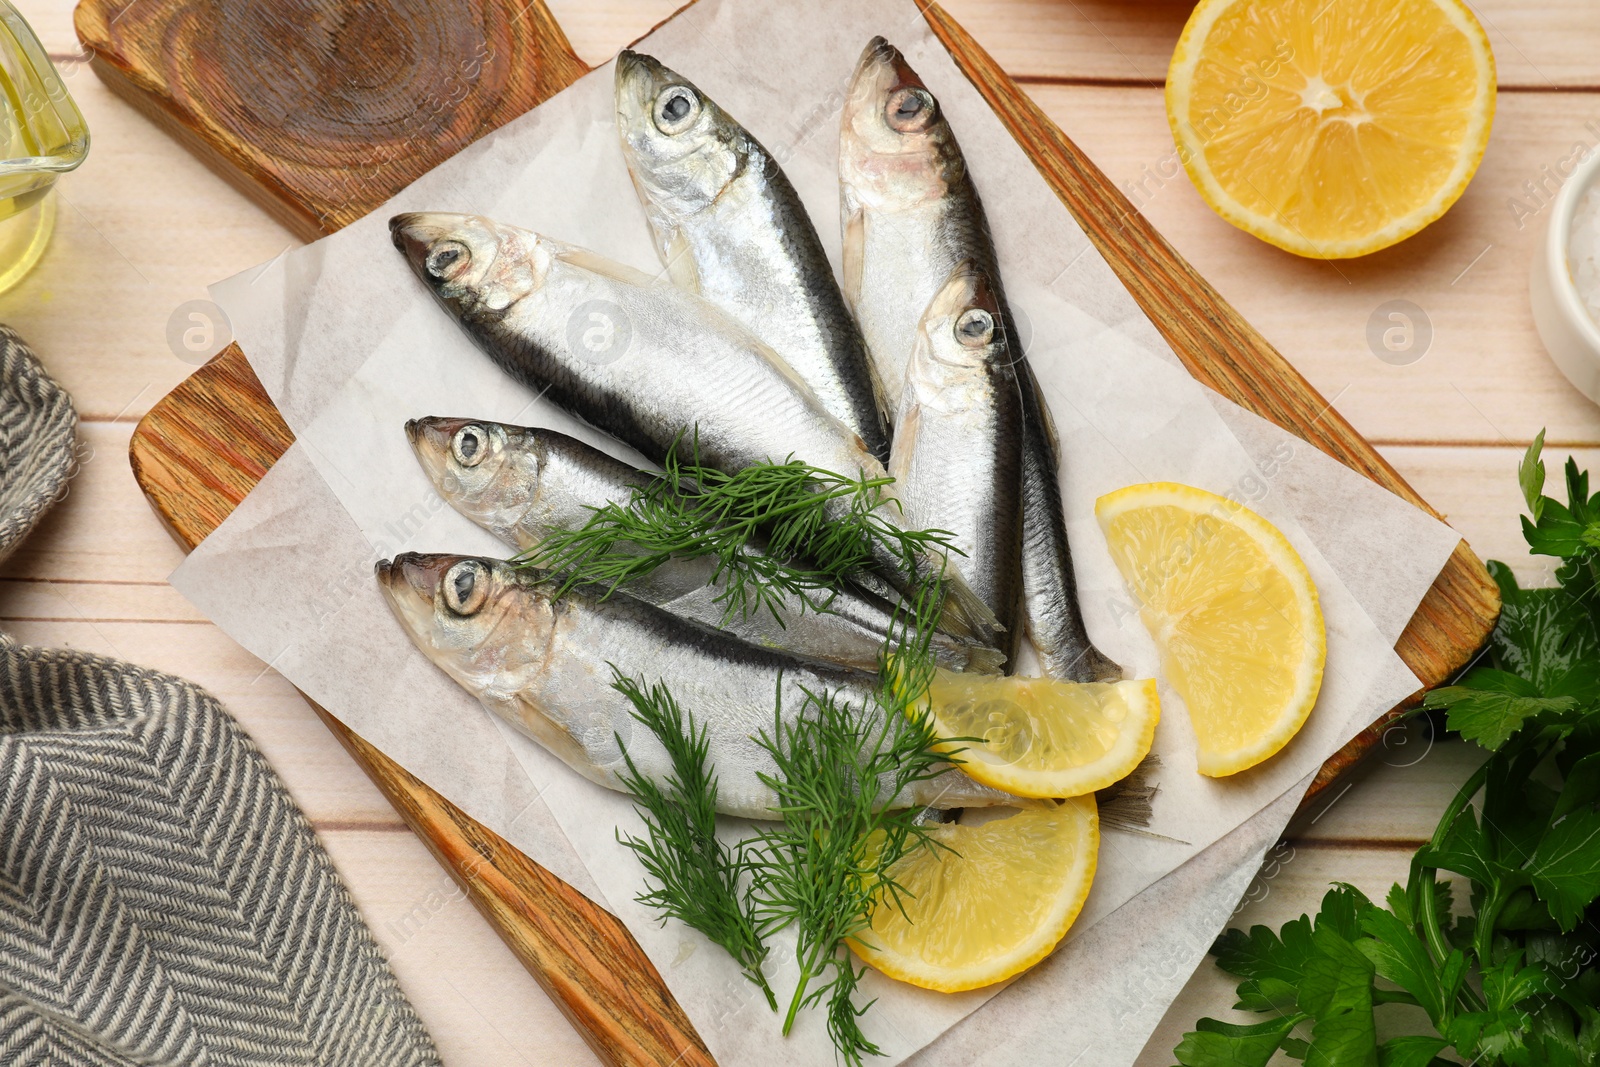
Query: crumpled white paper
{"points": [[349, 345]]}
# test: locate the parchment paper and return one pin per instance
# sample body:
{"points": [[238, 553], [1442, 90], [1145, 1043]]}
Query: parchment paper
{"points": [[349, 345]]}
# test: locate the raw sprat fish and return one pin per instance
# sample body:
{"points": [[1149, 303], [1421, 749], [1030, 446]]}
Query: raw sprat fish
{"points": [[910, 215], [730, 227], [957, 458], [546, 665], [675, 363], [524, 483]]}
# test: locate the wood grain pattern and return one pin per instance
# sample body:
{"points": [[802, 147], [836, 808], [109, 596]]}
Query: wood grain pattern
{"points": [[322, 109], [199, 451]]}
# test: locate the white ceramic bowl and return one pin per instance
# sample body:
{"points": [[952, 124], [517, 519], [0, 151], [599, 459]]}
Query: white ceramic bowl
{"points": [[1569, 333]]}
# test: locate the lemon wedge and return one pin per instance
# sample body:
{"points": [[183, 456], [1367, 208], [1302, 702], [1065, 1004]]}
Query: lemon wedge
{"points": [[991, 908], [1042, 737], [1331, 129], [1231, 607]]}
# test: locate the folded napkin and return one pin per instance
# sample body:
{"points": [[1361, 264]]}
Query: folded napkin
{"points": [[36, 439], [162, 899]]}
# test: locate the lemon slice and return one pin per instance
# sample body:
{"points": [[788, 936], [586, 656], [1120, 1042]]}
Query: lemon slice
{"points": [[1233, 610], [1043, 737], [994, 902], [1331, 129]]}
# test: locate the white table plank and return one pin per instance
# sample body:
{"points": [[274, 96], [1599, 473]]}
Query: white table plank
{"points": [[1485, 378]]}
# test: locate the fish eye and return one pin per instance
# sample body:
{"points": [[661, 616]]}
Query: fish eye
{"points": [[975, 327], [469, 445], [466, 587], [444, 256], [676, 109], [910, 110]]}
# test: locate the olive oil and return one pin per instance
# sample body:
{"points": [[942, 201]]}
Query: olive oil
{"points": [[42, 135]]}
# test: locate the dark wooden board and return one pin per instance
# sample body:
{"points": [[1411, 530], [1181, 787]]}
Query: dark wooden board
{"points": [[202, 448]]}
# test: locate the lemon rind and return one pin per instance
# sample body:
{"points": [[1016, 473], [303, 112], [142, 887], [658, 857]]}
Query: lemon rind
{"points": [[1186, 57]]}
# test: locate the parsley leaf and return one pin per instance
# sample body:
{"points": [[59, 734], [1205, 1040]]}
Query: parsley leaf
{"points": [[1220, 1044], [1566, 866], [1491, 716]]}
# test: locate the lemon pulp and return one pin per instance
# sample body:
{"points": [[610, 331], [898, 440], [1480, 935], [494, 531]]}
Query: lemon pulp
{"points": [[1331, 129], [1039, 737], [1233, 610], [994, 906]]}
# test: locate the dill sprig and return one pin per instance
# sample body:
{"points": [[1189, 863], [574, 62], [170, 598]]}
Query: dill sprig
{"points": [[840, 768], [699, 880], [807, 546], [840, 771], [829, 866]]}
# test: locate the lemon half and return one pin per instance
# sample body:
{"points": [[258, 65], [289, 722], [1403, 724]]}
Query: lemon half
{"points": [[991, 908], [1233, 610], [1331, 129], [1045, 738]]}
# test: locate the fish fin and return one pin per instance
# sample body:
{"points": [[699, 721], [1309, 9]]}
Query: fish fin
{"points": [[530, 719], [595, 263], [905, 442], [1047, 420], [681, 268], [853, 227]]}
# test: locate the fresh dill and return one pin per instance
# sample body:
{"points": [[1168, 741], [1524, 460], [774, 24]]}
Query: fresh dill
{"points": [[840, 768], [699, 880], [774, 529], [830, 864]]}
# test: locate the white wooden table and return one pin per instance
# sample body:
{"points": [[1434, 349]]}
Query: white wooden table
{"points": [[144, 227]]}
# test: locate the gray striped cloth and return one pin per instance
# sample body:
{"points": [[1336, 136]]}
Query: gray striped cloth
{"points": [[162, 899], [36, 440]]}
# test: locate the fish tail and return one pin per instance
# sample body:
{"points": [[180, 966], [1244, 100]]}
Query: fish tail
{"points": [[981, 659]]}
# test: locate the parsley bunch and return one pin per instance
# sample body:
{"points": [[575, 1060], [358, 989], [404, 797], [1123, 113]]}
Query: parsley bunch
{"points": [[1516, 983]]}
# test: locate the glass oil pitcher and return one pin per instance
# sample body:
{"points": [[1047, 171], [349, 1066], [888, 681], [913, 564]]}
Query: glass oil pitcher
{"points": [[42, 135]]}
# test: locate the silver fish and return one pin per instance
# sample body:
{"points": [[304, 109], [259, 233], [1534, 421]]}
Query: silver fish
{"points": [[957, 455], [730, 227], [545, 665], [665, 363], [911, 215], [525, 483]]}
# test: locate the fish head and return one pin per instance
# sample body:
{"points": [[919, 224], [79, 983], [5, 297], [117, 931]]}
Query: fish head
{"points": [[454, 606], [475, 266], [895, 147], [963, 326], [488, 471], [682, 149]]}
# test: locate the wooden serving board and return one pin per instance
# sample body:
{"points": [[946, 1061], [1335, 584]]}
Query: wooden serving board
{"points": [[323, 109]]}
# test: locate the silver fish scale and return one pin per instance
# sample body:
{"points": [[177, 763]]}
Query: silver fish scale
{"points": [[906, 256], [563, 695], [730, 226], [684, 366], [574, 479], [957, 460], [757, 256]]}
